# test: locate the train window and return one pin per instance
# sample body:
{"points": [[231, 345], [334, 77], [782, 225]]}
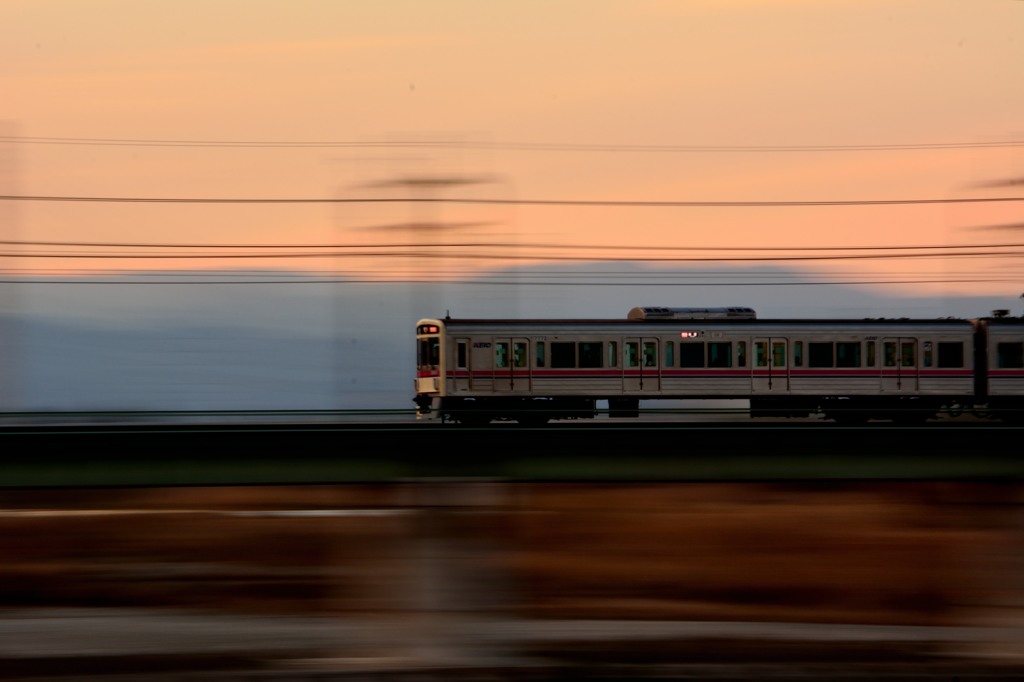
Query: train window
{"points": [[741, 353], [907, 358], [632, 354], [951, 354], [670, 353], [871, 354], [613, 354], [590, 353], [889, 353], [501, 354], [819, 354], [720, 354], [778, 354], [847, 354], [538, 353], [926, 354], [460, 355], [650, 354], [691, 354], [1010, 354], [760, 353], [519, 353], [798, 353], [563, 354]]}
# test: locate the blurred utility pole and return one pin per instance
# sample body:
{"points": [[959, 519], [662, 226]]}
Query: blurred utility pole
{"points": [[419, 260], [426, 234], [10, 320]]}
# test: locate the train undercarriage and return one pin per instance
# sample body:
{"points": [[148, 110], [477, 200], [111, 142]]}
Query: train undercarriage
{"points": [[532, 411], [526, 411]]}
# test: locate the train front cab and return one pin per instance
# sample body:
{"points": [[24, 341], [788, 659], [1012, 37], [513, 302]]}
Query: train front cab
{"points": [[430, 361]]}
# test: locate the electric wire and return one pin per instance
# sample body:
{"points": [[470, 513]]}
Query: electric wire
{"points": [[504, 201], [509, 146]]}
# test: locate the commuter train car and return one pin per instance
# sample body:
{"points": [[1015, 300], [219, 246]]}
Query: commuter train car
{"points": [[475, 371], [1000, 361]]}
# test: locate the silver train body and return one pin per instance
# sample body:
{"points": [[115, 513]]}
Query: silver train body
{"points": [[475, 371]]}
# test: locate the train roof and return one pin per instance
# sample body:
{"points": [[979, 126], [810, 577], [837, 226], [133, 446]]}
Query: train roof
{"points": [[724, 317], [653, 314], [666, 313], [721, 323]]}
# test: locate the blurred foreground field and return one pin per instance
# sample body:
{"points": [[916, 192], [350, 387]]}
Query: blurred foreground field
{"points": [[939, 555]]}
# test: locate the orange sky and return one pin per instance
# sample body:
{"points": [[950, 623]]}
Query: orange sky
{"points": [[646, 101]]}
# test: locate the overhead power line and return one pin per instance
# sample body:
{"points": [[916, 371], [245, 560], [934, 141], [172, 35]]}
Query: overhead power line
{"points": [[517, 202], [534, 245], [496, 251], [512, 146], [75, 280], [433, 254]]}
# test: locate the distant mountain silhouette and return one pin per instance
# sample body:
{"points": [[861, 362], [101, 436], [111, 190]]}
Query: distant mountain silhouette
{"points": [[311, 345]]}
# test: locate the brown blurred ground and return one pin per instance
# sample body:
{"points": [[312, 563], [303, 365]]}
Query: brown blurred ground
{"points": [[485, 580], [911, 554]]}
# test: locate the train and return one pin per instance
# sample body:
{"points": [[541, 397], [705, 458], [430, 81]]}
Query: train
{"points": [[906, 370]]}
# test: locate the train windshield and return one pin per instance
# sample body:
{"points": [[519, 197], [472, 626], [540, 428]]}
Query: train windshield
{"points": [[428, 352]]}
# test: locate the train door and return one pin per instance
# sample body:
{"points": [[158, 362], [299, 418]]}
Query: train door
{"points": [[462, 371], [769, 371], [899, 364], [512, 365], [640, 367], [479, 372]]}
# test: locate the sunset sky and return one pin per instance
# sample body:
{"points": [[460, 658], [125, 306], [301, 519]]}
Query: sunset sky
{"points": [[550, 128]]}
